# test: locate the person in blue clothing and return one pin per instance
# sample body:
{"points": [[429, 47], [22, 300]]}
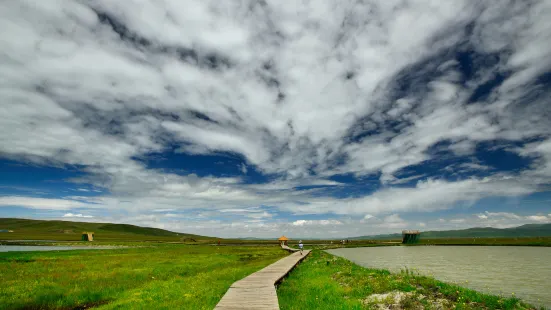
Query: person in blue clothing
{"points": [[300, 246]]}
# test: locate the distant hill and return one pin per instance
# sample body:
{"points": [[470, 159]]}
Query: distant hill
{"points": [[65, 230], [528, 230], [131, 229]]}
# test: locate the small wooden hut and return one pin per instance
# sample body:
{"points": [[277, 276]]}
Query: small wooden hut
{"points": [[410, 236], [283, 240], [87, 236]]}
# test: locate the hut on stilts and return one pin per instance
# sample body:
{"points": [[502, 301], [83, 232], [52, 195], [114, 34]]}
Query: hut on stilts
{"points": [[87, 236], [410, 236]]}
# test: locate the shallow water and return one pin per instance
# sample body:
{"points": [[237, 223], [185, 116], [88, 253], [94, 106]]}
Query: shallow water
{"points": [[525, 271], [32, 248]]}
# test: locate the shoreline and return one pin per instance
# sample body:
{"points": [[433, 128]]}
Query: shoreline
{"points": [[345, 284]]}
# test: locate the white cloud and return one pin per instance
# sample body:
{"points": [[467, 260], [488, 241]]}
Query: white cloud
{"points": [[457, 221], [508, 215], [539, 218], [41, 203], [316, 222], [504, 219], [427, 195], [239, 210], [488, 219], [259, 215], [243, 168], [541, 152], [394, 218], [306, 110], [394, 180], [474, 166], [394, 221], [77, 215]]}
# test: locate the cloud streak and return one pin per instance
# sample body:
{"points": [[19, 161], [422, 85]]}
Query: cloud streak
{"points": [[77, 215]]}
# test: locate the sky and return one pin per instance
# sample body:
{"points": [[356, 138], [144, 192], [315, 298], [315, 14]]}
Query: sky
{"points": [[320, 119]]}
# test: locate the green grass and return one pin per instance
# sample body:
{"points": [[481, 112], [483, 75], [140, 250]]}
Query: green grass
{"points": [[149, 277], [324, 281]]}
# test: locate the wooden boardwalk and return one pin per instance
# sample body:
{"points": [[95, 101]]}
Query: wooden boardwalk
{"points": [[257, 291], [285, 247]]}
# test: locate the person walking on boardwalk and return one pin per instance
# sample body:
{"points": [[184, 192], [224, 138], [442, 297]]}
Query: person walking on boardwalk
{"points": [[300, 246]]}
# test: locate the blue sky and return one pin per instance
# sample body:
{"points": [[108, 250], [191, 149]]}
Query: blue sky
{"points": [[310, 119]]}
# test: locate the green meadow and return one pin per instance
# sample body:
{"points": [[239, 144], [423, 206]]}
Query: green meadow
{"points": [[178, 276], [147, 277]]}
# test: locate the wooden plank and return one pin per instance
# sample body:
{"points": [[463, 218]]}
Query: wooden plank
{"points": [[257, 291]]}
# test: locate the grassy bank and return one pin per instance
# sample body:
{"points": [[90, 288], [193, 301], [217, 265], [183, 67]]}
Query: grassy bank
{"points": [[149, 277], [324, 281]]}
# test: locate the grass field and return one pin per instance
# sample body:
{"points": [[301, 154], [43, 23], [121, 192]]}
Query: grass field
{"points": [[159, 269], [152, 277], [324, 281]]}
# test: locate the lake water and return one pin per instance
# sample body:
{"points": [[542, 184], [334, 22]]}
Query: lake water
{"points": [[21, 248], [525, 271]]}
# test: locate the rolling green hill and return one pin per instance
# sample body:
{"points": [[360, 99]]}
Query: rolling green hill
{"points": [[24, 229], [528, 230]]}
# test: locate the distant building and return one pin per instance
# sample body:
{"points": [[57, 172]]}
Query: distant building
{"points": [[283, 240], [410, 236], [6, 230], [87, 236]]}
